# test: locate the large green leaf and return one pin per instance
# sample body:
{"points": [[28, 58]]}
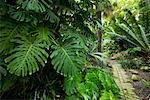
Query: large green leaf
{"points": [[71, 83], [144, 37], [132, 34], [35, 5], [107, 96], [88, 90], [21, 16], [9, 29], [26, 57], [68, 57], [108, 83], [139, 39], [3, 71], [44, 36], [102, 80], [51, 17]]}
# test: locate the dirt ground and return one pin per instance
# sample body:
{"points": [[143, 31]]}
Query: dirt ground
{"points": [[141, 89]]}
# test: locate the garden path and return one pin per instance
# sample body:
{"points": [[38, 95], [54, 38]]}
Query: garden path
{"points": [[123, 81]]}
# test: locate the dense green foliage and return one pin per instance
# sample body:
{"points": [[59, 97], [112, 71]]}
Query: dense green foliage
{"points": [[94, 84], [48, 48], [130, 26], [45, 46]]}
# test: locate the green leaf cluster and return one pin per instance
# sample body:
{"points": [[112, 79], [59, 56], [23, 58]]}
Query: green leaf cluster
{"points": [[132, 32], [68, 58], [48, 34], [95, 84], [24, 58]]}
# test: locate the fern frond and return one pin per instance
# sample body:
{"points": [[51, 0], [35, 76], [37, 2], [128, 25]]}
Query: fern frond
{"points": [[24, 59], [68, 58]]}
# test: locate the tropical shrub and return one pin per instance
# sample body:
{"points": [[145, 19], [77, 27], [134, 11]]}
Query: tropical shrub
{"points": [[130, 27], [136, 40], [43, 43], [94, 84]]}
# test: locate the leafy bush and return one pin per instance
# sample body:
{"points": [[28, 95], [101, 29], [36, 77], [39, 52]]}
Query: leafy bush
{"points": [[95, 84], [110, 46], [132, 26], [42, 42], [137, 40]]}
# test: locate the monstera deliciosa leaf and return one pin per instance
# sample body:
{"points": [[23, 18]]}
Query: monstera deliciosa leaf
{"points": [[88, 90], [9, 29], [68, 57], [3, 71], [35, 5], [21, 16], [51, 17], [44, 36], [71, 83], [26, 57]]}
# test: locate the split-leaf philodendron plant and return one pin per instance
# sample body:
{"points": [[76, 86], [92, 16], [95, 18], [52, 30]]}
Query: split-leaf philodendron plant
{"points": [[35, 34]]}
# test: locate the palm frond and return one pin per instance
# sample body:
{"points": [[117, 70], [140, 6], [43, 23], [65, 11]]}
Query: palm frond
{"points": [[113, 32]]}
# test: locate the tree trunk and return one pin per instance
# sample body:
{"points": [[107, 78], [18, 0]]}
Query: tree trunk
{"points": [[99, 33], [99, 40]]}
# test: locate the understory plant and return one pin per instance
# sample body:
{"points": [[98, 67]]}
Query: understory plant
{"points": [[130, 26], [93, 84]]}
